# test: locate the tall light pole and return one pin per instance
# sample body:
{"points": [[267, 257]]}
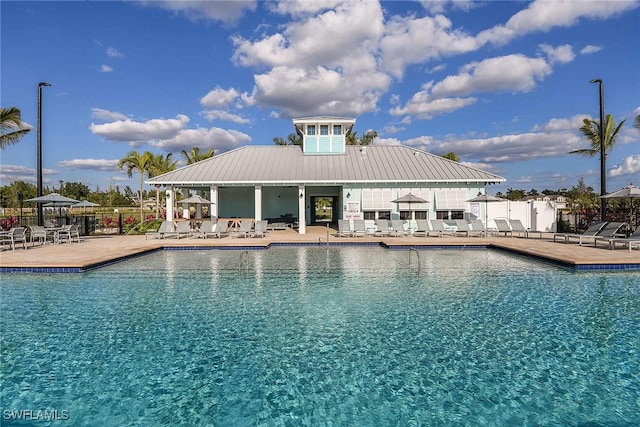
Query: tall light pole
{"points": [[39, 154], [603, 155]]}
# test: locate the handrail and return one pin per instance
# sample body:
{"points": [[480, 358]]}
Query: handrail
{"points": [[417, 255]]}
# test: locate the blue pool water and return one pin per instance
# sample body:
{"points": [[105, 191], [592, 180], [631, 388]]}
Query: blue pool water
{"points": [[313, 336]]}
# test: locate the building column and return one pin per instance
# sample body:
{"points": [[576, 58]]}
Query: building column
{"points": [[213, 197], [258, 203], [170, 196], [302, 203], [185, 208]]}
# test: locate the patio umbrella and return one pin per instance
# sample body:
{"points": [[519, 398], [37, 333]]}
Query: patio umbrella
{"points": [[55, 198], [629, 192], [486, 198], [84, 205], [410, 198], [196, 200]]}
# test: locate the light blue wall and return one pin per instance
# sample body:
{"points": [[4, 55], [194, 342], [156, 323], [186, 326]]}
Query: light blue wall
{"points": [[278, 201], [236, 202]]}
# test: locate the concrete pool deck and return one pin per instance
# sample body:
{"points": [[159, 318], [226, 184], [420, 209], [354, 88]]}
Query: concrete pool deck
{"points": [[94, 251]]}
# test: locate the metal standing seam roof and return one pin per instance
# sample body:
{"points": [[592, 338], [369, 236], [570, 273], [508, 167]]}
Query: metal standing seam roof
{"points": [[287, 165]]}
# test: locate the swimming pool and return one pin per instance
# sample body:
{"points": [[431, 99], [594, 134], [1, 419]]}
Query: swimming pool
{"points": [[314, 336]]}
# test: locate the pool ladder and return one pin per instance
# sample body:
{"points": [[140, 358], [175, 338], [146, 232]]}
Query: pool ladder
{"points": [[411, 250], [244, 256]]}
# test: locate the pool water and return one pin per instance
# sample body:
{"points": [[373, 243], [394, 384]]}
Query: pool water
{"points": [[314, 336]]}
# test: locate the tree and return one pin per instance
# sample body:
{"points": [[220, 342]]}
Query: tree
{"points": [[12, 127], [140, 162], [591, 130], [160, 164], [514, 194], [636, 122], [76, 190], [195, 156], [292, 139], [452, 156], [367, 138]]}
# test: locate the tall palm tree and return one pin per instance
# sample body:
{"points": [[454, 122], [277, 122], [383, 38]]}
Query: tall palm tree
{"points": [[195, 156], [12, 127], [591, 130], [636, 122], [141, 162], [366, 138], [292, 139], [160, 164]]}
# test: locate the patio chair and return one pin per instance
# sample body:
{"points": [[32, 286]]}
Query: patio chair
{"points": [[344, 228], [591, 231], [438, 227], [13, 236], [359, 228], [632, 241], [218, 230], [166, 228], [245, 228], [183, 228], [422, 228], [68, 232], [477, 227], [503, 227], [518, 227], [462, 227], [397, 228], [260, 229], [200, 232], [40, 234], [382, 227], [609, 231]]}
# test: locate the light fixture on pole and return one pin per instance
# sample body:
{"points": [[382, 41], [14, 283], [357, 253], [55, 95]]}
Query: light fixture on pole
{"points": [[603, 155], [39, 152]]}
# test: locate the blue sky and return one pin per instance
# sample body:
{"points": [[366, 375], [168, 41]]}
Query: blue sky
{"points": [[504, 85]]}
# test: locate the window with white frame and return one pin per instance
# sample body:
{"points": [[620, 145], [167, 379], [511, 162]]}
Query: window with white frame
{"points": [[337, 129], [311, 129], [324, 129]]}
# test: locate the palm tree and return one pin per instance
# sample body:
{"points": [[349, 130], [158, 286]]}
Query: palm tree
{"points": [[292, 139], [591, 130], [12, 126], [636, 122], [451, 156], [195, 156], [159, 165], [142, 162], [366, 138]]}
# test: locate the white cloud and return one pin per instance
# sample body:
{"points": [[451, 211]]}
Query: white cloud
{"points": [[543, 15], [132, 131], [90, 164], [560, 54], [228, 12], [630, 166], [212, 115], [589, 49], [563, 124], [106, 69], [219, 97], [425, 107], [12, 173], [107, 115], [513, 73], [220, 140], [112, 52]]}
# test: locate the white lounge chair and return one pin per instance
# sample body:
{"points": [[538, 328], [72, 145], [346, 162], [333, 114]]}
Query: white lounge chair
{"points": [[344, 228], [166, 228], [68, 232], [477, 227], [245, 229], [219, 229], [382, 227], [462, 227], [260, 229], [13, 236], [40, 234], [609, 231], [630, 242], [397, 228], [518, 227], [422, 228], [359, 228], [438, 227]]}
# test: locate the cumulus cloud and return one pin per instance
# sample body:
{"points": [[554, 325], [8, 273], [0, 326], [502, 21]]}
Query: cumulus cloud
{"points": [[220, 140], [132, 131], [228, 12], [106, 68], [90, 164], [543, 15], [212, 115], [629, 166], [562, 124], [560, 54], [219, 97], [12, 173], [107, 115]]}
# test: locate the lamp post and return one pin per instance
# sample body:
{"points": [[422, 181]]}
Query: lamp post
{"points": [[603, 155], [20, 201], [39, 152]]}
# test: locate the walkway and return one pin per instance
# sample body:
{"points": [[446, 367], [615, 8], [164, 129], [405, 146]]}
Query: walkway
{"points": [[99, 250]]}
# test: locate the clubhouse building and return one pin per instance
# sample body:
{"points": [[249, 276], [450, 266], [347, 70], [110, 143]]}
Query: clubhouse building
{"points": [[291, 184]]}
